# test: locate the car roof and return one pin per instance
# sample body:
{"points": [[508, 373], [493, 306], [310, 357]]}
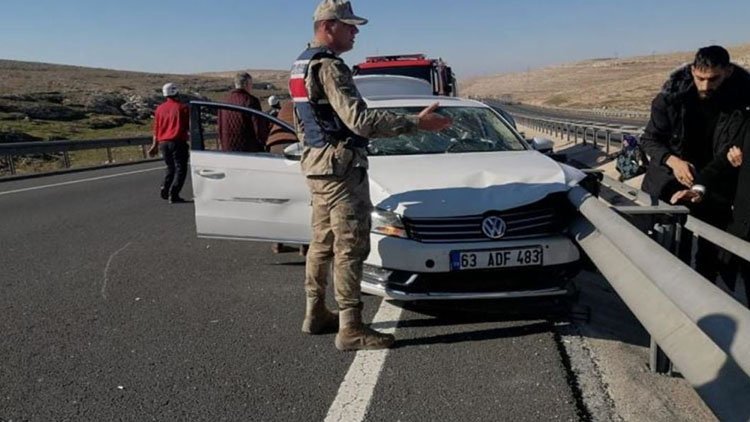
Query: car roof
{"points": [[419, 101], [372, 85]]}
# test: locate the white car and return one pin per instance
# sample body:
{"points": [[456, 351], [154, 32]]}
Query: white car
{"points": [[471, 212]]}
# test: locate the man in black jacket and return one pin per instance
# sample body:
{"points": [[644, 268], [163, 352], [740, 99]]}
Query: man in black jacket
{"points": [[723, 169], [687, 130]]}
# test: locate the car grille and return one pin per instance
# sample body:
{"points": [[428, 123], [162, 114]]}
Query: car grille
{"points": [[542, 218]]}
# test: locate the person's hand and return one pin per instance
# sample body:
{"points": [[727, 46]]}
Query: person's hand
{"points": [[686, 195], [431, 121], [682, 170], [153, 150], [735, 156]]}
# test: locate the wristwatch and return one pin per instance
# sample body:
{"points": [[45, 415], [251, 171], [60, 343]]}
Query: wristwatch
{"points": [[699, 189]]}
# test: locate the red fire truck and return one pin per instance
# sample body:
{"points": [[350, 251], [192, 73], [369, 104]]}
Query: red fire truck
{"points": [[434, 71]]}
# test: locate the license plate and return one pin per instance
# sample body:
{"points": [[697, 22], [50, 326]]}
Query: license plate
{"points": [[497, 258]]}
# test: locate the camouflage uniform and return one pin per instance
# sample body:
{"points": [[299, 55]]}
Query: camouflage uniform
{"points": [[337, 177]]}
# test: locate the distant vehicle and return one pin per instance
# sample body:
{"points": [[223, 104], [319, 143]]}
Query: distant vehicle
{"points": [[434, 71], [383, 85]]}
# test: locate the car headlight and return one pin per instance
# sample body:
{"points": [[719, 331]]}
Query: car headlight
{"points": [[388, 223]]}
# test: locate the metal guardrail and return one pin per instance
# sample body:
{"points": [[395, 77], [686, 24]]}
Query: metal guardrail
{"points": [[594, 133], [692, 322], [720, 238], [17, 149], [604, 113], [704, 331]]}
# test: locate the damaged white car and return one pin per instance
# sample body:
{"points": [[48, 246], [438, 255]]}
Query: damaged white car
{"points": [[471, 212]]}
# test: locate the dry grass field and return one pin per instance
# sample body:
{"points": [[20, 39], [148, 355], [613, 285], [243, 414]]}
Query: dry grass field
{"points": [[40, 101], [27, 78], [613, 83]]}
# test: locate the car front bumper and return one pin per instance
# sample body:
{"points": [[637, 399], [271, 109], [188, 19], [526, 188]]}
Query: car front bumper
{"points": [[406, 270]]}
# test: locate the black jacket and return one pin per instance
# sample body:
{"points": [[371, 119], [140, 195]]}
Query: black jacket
{"points": [[720, 171], [665, 133]]}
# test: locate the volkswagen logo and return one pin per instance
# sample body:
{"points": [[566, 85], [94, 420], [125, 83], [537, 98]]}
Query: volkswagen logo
{"points": [[493, 227]]}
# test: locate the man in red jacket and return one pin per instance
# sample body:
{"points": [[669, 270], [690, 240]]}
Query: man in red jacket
{"points": [[171, 125], [240, 131]]}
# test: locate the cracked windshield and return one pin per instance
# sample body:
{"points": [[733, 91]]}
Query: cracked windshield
{"points": [[473, 130]]}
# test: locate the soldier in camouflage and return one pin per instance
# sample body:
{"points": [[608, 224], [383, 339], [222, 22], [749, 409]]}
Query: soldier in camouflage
{"points": [[333, 122]]}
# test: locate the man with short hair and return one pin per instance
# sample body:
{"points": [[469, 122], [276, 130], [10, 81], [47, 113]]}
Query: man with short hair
{"points": [[171, 125], [686, 130], [334, 124], [240, 131]]}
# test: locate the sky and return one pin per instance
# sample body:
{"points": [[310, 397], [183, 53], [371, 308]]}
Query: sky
{"points": [[476, 37]]}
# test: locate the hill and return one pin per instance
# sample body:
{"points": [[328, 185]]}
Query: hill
{"points": [[278, 78], [615, 83], [51, 101]]}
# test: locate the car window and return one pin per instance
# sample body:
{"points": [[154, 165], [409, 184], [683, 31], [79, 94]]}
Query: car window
{"points": [[474, 129], [245, 131], [421, 72]]}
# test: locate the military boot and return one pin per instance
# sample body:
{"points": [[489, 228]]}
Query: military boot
{"points": [[318, 319], [353, 335]]}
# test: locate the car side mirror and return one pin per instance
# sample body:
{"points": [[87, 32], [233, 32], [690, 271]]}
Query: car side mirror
{"points": [[293, 152], [542, 145]]}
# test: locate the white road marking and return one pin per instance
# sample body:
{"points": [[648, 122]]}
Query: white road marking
{"points": [[106, 270], [72, 182], [356, 391]]}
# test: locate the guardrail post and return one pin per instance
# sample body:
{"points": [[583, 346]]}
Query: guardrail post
{"points": [[585, 129], [658, 361], [567, 131], [143, 151], [668, 235], [11, 164], [109, 155], [66, 159], [609, 140], [596, 134]]}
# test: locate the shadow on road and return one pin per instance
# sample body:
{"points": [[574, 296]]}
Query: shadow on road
{"points": [[519, 318], [731, 378], [477, 335], [476, 311]]}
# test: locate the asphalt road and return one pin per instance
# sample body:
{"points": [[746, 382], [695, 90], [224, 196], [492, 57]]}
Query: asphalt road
{"points": [[112, 309], [573, 115]]}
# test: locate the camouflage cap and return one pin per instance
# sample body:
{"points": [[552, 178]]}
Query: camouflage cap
{"points": [[340, 10]]}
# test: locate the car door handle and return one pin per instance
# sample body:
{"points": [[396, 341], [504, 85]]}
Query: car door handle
{"points": [[210, 174]]}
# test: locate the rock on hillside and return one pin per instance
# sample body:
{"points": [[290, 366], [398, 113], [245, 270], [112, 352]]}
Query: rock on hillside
{"points": [[10, 136], [625, 84], [101, 98]]}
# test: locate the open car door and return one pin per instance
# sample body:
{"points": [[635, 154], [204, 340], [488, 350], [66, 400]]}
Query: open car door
{"points": [[249, 196]]}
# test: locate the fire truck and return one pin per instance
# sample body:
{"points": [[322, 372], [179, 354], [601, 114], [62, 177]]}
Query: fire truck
{"points": [[434, 71]]}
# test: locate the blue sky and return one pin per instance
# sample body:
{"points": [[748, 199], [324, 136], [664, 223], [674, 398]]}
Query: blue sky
{"points": [[475, 36]]}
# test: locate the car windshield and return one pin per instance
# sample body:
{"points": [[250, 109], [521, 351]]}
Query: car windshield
{"points": [[474, 129]]}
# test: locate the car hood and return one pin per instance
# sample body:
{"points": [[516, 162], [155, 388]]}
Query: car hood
{"points": [[461, 184]]}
